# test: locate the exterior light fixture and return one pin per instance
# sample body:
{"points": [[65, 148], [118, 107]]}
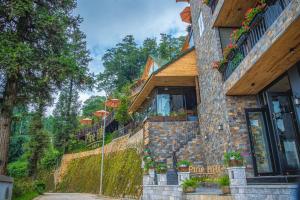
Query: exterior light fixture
{"points": [[220, 127], [297, 101]]}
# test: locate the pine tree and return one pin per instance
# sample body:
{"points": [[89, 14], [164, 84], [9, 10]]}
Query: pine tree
{"points": [[36, 54], [65, 113]]}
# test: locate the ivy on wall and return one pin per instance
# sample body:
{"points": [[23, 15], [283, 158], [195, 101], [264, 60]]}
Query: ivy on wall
{"points": [[122, 175]]}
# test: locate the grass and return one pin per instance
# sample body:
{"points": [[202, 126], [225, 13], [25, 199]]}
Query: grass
{"points": [[27, 196], [122, 175]]}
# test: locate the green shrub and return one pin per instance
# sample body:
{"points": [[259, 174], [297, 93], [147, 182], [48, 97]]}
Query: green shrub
{"points": [[161, 168], [50, 159], [23, 189], [39, 187], [18, 169], [191, 182], [224, 181], [232, 155], [183, 162]]}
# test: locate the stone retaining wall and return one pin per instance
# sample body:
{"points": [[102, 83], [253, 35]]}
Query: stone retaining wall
{"points": [[259, 192], [163, 137], [159, 192], [118, 144]]}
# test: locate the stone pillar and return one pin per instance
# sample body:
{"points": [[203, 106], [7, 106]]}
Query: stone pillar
{"points": [[237, 176], [162, 179], [6, 185], [183, 176]]}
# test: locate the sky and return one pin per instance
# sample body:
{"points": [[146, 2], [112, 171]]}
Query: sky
{"points": [[106, 22]]}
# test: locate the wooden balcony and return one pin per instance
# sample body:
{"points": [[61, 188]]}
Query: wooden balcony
{"points": [[231, 13], [270, 48]]}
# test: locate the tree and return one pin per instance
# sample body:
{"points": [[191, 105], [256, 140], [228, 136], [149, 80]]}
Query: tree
{"points": [[65, 113], [169, 46], [36, 56], [39, 141], [92, 104], [122, 116], [124, 62], [122, 65]]}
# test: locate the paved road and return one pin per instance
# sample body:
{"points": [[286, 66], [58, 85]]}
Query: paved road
{"points": [[70, 196]]}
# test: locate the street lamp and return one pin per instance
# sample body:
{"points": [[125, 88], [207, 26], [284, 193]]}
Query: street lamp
{"points": [[113, 103]]}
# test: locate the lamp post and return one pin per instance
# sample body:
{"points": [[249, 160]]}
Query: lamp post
{"points": [[113, 103]]}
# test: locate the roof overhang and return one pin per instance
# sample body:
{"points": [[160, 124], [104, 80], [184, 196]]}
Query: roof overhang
{"points": [[181, 71]]}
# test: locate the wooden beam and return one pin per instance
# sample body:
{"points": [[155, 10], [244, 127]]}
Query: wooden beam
{"points": [[281, 56], [232, 12]]}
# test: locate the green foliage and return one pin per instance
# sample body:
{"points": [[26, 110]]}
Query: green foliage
{"points": [[41, 48], [49, 161], [39, 142], [183, 163], [161, 168], [224, 180], [39, 187], [65, 113], [109, 137], [191, 182], [122, 175], [92, 104], [125, 62], [18, 169], [122, 115], [232, 155], [23, 189]]}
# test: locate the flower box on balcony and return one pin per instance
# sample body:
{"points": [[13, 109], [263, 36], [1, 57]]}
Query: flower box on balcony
{"points": [[256, 19]]}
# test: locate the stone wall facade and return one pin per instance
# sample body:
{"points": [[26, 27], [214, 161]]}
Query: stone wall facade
{"points": [[222, 118], [163, 138]]}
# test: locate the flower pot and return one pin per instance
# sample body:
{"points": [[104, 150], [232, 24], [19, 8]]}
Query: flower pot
{"points": [[183, 168], [189, 189], [235, 163], [225, 189]]}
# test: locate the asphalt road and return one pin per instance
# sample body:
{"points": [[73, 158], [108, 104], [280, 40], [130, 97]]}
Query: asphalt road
{"points": [[70, 196]]}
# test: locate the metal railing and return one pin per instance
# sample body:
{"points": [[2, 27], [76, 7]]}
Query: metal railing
{"points": [[258, 27]]}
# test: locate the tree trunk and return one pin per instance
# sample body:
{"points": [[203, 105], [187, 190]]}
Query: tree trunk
{"points": [[9, 98]]}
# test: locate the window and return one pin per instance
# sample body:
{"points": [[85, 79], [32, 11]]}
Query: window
{"points": [[201, 24], [191, 40]]}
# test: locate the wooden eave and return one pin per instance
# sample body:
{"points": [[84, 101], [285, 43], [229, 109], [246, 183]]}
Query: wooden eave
{"points": [[181, 71], [232, 12], [276, 60]]}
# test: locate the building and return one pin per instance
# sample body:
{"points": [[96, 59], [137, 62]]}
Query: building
{"points": [[249, 81]]}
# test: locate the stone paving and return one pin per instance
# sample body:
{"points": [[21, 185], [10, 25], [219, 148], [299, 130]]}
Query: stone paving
{"points": [[70, 196]]}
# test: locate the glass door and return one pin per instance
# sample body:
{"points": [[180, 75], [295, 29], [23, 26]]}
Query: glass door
{"points": [[284, 123], [260, 141]]}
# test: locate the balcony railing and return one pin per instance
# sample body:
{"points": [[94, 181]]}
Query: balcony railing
{"points": [[258, 27], [213, 4]]}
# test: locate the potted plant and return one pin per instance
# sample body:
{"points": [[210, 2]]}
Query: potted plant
{"points": [[161, 170], [189, 185], [233, 159], [183, 166], [147, 151], [224, 183]]}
